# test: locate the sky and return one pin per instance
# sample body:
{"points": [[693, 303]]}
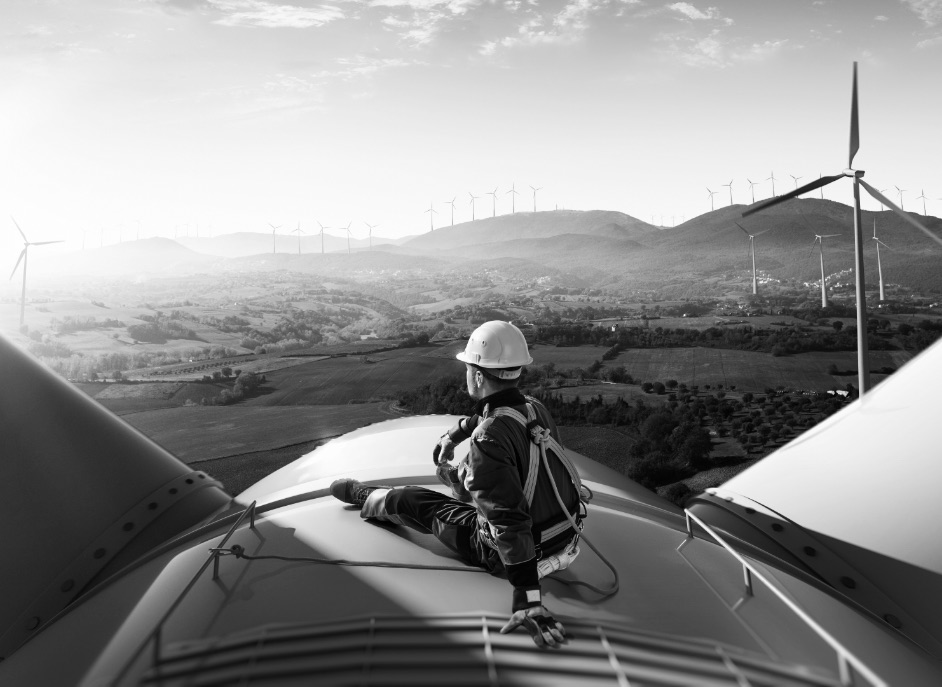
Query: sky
{"points": [[126, 118]]}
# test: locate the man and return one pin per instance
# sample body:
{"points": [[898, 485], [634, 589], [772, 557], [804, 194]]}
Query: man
{"points": [[505, 514]]}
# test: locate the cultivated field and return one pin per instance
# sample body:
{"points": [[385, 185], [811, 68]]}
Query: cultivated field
{"points": [[198, 433], [745, 369], [349, 379]]}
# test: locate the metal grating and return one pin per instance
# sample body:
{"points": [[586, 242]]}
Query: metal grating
{"points": [[464, 650]]}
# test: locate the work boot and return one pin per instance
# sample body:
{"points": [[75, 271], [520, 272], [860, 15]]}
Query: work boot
{"points": [[351, 491]]}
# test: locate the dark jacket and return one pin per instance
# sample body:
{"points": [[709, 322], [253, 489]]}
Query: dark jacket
{"points": [[493, 475]]}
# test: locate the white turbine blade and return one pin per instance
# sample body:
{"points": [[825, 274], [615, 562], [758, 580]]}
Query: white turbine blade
{"points": [[854, 122], [45, 243], [18, 261], [881, 243], [886, 201], [19, 230], [829, 236], [743, 230]]}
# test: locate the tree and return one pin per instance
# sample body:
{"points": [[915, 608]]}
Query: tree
{"points": [[226, 371], [646, 387], [658, 387], [838, 325]]}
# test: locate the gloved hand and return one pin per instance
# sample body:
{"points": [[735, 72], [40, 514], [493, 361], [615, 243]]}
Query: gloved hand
{"points": [[543, 627], [444, 451]]}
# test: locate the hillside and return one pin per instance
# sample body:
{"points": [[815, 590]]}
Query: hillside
{"points": [[155, 256]]}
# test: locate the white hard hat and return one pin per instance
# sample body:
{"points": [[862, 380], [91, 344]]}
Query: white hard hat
{"points": [[497, 345]]}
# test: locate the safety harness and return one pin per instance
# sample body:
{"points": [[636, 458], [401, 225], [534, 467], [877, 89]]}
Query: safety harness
{"points": [[540, 440]]}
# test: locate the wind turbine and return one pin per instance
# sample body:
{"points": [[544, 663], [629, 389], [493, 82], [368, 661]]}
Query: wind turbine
{"points": [[473, 198], [452, 204], [273, 230], [796, 179], [772, 179], [730, 186], [857, 176], [900, 190], [923, 199], [752, 248], [534, 196], [322, 236], [879, 264], [372, 227], [819, 239], [493, 195], [712, 193], [512, 193], [24, 255], [432, 213], [348, 236], [822, 188], [298, 232], [752, 190]]}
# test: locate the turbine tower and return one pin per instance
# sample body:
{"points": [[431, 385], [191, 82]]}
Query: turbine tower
{"points": [[857, 176], [348, 236], [730, 186], [796, 179], [752, 189], [24, 255], [322, 236], [712, 193], [879, 264], [901, 191], [452, 204], [819, 239], [432, 213], [512, 193], [493, 195], [534, 196], [473, 198], [372, 227], [923, 199], [298, 232], [752, 248], [822, 188], [273, 230], [772, 179]]}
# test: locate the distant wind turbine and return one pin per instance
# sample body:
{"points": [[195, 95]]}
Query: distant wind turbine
{"points": [[879, 264], [298, 232], [493, 195], [712, 193], [24, 256], [819, 239], [857, 176], [372, 227], [772, 179], [534, 196], [512, 193], [730, 186], [432, 213], [348, 236], [452, 204], [822, 188], [882, 206], [273, 230], [796, 179], [752, 189], [473, 198], [752, 248], [901, 192], [322, 236], [923, 199]]}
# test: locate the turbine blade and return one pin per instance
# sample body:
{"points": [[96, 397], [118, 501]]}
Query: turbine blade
{"points": [[743, 230], [19, 230], [44, 243], [886, 201], [883, 244], [854, 122], [18, 261], [817, 183]]}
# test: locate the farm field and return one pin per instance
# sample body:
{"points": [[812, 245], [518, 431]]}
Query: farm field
{"points": [[349, 379], [199, 433], [608, 392], [746, 370]]}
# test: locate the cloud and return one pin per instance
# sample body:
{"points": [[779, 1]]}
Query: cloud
{"points": [[425, 19], [563, 28], [273, 16], [717, 52], [929, 43], [929, 11], [881, 17], [692, 12]]}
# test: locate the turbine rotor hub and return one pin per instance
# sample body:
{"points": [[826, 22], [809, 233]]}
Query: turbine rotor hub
{"points": [[854, 173]]}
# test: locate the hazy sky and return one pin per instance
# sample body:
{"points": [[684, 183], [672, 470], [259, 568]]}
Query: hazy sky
{"points": [[149, 114]]}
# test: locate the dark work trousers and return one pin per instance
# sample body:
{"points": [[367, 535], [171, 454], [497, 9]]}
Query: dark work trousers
{"points": [[454, 523]]}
